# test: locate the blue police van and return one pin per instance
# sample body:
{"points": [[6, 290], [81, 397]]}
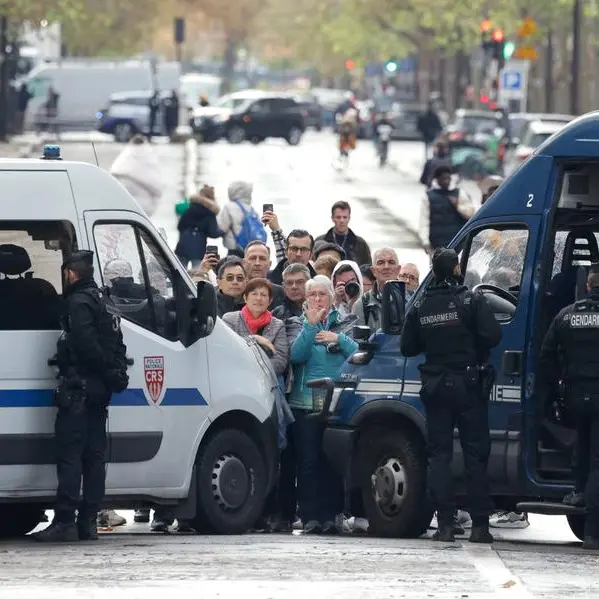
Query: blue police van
{"points": [[528, 249]]}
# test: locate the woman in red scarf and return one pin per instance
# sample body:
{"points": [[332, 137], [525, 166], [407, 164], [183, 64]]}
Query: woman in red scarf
{"points": [[256, 321]]}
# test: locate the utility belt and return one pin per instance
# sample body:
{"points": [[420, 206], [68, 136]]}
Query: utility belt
{"points": [[479, 378], [71, 393]]}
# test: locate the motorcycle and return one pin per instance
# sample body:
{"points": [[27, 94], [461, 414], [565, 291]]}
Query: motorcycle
{"points": [[384, 132]]}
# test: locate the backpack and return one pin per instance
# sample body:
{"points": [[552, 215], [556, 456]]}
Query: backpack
{"points": [[252, 228], [111, 340]]}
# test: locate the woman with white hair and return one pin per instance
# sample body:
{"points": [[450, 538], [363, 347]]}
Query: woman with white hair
{"points": [[319, 351]]}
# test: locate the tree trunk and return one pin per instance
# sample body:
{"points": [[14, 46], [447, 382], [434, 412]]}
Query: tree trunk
{"points": [[229, 64]]}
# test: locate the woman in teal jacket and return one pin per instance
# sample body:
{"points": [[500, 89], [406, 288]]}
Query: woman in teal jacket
{"points": [[319, 351]]}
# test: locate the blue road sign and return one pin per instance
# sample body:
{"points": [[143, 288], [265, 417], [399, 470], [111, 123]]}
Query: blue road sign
{"points": [[512, 80]]}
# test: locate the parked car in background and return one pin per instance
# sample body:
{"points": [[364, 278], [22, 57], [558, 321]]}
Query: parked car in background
{"points": [[519, 122], [128, 113], [467, 123], [256, 117], [406, 121], [536, 133], [205, 120], [311, 109]]}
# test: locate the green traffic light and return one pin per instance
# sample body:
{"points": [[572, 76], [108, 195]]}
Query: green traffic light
{"points": [[508, 49]]}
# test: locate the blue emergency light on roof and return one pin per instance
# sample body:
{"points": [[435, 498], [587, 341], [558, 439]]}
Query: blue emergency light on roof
{"points": [[51, 152]]}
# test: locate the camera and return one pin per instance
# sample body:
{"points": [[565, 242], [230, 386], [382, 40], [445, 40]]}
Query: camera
{"points": [[352, 289]]}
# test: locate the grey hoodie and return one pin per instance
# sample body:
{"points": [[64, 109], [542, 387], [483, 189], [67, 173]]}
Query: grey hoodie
{"points": [[230, 218]]}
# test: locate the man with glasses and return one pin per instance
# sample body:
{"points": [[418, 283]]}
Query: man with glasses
{"points": [[385, 267], [296, 249], [295, 277]]}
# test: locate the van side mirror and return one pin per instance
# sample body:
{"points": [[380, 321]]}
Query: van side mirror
{"points": [[393, 307], [205, 309]]}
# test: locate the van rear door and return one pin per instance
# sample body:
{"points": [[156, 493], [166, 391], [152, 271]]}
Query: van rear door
{"points": [[38, 229]]}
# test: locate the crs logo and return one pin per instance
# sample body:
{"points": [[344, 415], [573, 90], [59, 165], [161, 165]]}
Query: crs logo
{"points": [[154, 376]]}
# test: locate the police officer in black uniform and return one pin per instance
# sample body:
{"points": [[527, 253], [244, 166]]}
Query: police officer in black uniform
{"points": [[570, 355], [92, 365], [456, 330]]}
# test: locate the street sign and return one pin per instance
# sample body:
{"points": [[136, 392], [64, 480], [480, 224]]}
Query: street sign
{"points": [[528, 27], [513, 81], [526, 53]]}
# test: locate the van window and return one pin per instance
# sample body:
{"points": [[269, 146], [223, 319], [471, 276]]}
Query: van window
{"points": [[31, 257], [496, 257], [138, 275]]}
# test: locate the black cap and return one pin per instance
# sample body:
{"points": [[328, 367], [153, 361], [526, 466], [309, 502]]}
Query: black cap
{"points": [[444, 262], [328, 247], [84, 256]]}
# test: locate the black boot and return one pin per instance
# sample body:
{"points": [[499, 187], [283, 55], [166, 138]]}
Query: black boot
{"points": [[444, 533], [481, 534], [87, 528], [591, 538], [57, 532]]}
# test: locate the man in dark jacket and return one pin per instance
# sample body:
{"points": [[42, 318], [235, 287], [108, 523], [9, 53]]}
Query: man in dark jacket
{"points": [[429, 125], [295, 277], [440, 158], [455, 329], [91, 360], [355, 247], [298, 250], [444, 211]]}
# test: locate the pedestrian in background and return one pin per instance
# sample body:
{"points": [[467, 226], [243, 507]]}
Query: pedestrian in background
{"points": [[444, 210], [196, 225], [429, 125], [138, 169], [455, 329], [355, 247]]}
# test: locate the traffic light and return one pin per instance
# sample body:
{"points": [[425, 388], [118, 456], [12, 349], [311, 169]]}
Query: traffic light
{"points": [[498, 36], [508, 50], [391, 66], [350, 65], [485, 26]]}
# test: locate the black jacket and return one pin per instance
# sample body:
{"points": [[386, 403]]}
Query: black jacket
{"points": [[429, 125], [355, 247], [287, 310], [452, 326], [276, 274], [87, 346], [226, 303], [445, 219]]}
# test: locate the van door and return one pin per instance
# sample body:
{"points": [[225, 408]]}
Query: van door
{"points": [[499, 259], [155, 423], [38, 229]]}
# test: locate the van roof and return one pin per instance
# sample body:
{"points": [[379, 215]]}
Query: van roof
{"points": [[93, 188], [542, 126]]}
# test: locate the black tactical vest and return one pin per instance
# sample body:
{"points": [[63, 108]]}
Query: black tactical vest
{"points": [[580, 341], [444, 328]]}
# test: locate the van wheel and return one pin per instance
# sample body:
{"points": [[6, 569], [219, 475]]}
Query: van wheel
{"points": [[577, 523], [236, 135], [294, 136], [392, 471], [232, 483], [18, 520], [123, 132]]}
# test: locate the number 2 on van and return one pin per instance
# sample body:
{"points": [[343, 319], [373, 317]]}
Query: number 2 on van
{"points": [[154, 375]]}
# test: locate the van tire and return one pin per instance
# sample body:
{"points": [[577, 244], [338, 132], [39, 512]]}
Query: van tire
{"points": [[123, 132], [577, 523], [235, 455], [18, 520], [380, 453]]}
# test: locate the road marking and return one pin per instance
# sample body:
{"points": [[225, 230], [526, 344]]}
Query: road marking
{"points": [[491, 567]]}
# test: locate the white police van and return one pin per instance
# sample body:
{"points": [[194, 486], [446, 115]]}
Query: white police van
{"points": [[195, 430]]}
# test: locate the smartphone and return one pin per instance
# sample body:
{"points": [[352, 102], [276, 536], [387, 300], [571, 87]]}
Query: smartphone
{"points": [[267, 208], [212, 249]]}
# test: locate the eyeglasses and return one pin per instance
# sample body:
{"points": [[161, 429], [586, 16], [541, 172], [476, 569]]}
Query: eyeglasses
{"points": [[408, 277], [231, 278], [294, 283], [294, 249], [315, 294]]}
